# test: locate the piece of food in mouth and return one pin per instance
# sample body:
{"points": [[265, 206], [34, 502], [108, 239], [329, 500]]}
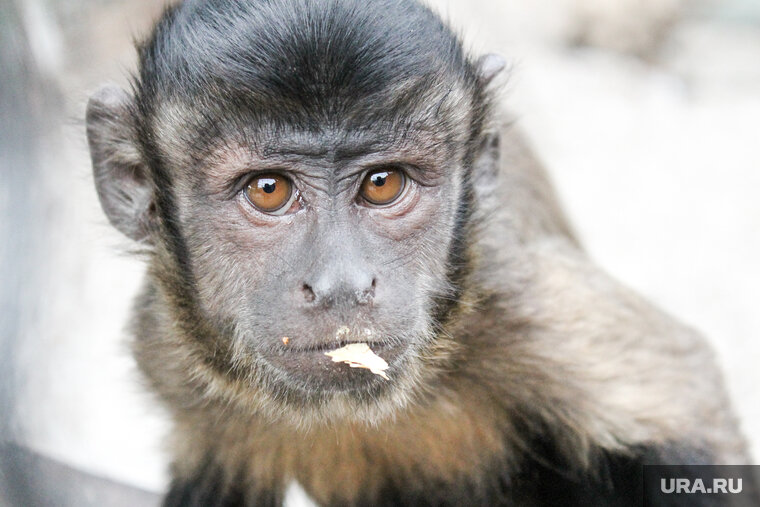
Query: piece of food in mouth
{"points": [[359, 355]]}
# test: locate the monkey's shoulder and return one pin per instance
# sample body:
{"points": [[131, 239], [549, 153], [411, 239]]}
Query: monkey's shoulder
{"points": [[597, 359]]}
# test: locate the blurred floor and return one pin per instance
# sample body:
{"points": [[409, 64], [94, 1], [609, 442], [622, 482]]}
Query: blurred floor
{"points": [[654, 143]]}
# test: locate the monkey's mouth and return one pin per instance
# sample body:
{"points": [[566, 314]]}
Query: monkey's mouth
{"points": [[333, 345], [311, 368]]}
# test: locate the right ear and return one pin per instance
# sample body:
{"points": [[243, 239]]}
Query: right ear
{"points": [[121, 176], [489, 66]]}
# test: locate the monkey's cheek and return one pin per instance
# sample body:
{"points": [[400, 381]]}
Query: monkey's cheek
{"points": [[312, 370]]}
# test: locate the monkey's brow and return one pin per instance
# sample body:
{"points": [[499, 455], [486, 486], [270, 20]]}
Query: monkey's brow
{"points": [[345, 149], [310, 151]]}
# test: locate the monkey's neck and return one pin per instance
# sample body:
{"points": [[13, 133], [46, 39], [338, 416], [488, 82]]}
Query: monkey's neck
{"points": [[450, 440]]}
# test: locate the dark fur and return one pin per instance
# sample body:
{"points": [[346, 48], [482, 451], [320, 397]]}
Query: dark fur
{"points": [[533, 378]]}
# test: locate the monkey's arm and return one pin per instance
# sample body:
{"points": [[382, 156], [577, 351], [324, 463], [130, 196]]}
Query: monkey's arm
{"points": [[617, 479]]}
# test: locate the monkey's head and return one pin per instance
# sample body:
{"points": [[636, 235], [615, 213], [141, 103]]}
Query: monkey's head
{"points": [[302, 179]]}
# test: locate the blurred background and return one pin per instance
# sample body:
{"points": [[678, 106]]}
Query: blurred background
{"points": [[646, 112]]}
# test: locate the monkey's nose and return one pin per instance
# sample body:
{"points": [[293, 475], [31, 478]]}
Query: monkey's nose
{"points": [[329, 291]]}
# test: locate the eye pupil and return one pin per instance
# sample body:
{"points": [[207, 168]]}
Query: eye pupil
{"points": [[268, 186], [379, 179]]}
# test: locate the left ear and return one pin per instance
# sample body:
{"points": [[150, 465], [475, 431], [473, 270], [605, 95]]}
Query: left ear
{"points": [[121, 177]]}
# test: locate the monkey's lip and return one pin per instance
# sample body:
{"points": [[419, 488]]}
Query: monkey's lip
{"points": [[334, 345], [311, 367]]}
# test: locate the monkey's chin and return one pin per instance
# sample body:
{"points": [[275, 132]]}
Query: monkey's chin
{"points": [[306, 389], [308, 392], [313, 372]]}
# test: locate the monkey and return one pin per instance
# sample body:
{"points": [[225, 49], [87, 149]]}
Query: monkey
{"points": [[302, 176]]}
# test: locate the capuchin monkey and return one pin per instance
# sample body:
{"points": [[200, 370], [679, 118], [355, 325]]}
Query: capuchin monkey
{"points": [[308, 175]]}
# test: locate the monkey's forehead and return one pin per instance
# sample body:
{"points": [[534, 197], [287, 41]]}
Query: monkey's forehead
{"points": [[300, 57], [411, 109]]}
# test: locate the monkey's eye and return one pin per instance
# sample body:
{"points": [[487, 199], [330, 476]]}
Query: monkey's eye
{"points": [[383, 187], [270, 193]]}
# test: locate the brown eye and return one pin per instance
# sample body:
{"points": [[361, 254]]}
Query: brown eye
{"points": [[383, 187], [269, 192]]}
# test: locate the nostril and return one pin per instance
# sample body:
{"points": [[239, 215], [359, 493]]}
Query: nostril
{"points": [[308, 293], [368, 294]]}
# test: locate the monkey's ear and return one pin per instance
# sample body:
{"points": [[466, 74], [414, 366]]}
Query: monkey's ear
{"points": [[486, 165], [121, 176], [490, 66]]}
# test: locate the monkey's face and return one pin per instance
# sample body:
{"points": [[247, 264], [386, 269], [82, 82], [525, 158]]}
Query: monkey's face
{"points": [[301, 173], [305, 243]]}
